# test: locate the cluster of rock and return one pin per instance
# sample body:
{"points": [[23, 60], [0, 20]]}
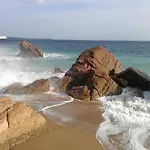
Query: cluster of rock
{"points": [[95, 73], [89, 77]]}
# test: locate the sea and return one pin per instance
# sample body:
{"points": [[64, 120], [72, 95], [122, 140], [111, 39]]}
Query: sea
{"points": [[126, 123]]}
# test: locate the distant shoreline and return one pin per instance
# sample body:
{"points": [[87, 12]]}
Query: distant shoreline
{"points": [[25, 38]]}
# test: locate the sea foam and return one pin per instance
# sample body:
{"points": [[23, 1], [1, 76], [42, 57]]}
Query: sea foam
{"points": [[56, 56], [127, 122]]}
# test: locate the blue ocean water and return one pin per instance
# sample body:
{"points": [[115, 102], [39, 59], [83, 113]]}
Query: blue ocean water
{"points": [[126, 115], [63, 53]]}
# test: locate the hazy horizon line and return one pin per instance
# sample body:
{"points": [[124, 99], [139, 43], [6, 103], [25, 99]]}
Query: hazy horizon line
{"points": [[38, 38]]}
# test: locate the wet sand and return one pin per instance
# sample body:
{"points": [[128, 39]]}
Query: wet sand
{"points": [[71, 126], [62, 138]]}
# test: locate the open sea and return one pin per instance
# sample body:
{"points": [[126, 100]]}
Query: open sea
{"points": [[126, 124]]}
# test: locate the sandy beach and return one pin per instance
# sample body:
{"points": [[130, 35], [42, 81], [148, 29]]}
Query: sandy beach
{"points": [[62, 138], [77, 133]]}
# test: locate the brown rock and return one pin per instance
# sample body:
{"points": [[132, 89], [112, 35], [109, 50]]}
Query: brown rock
{"points": [[80, 91], [89, 77], [18, 123], [58, 70], [132, 77], [13, 88], [38, 86], [54, 83], [28, 50]]}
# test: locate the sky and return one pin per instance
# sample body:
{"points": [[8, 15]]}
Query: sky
{"points": [[76, 19]]}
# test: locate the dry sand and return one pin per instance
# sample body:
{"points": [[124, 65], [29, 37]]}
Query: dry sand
{"points": [[62, 138]]}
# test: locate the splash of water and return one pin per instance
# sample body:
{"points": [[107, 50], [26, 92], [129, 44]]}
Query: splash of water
{"points": [[127, 122]]}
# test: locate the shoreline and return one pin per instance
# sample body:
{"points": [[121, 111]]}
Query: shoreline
{"points": [[58, 137], [79, 133]]}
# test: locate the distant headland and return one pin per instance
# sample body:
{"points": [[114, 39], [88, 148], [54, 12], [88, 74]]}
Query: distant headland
{"points": [[26, 38]]}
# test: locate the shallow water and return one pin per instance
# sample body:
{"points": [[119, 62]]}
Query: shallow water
{"points": [[126, 123], [64, 110]]}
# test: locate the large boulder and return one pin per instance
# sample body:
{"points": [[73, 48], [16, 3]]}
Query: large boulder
{"points": [[28, 50], [38, 86], [132, 77], [18, 123], [89, 77]]}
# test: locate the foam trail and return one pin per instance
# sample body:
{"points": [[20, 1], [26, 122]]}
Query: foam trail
{"points": [[56, 105], [60, 119], [127, 122], [136, 138], [105, 130], [56, 56]]}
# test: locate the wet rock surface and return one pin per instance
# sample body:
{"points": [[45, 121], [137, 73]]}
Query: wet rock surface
{"points": [[18, 123], [89, 77], [29, 50], [58, 70], [132, 77], [38, 86]]}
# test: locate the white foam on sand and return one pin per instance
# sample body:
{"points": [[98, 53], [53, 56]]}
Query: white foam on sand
{"points": [[40, 103], [127, 121], [56, 105]]}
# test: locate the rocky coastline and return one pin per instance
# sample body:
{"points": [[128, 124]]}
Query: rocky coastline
{"points": [[95, 73]]}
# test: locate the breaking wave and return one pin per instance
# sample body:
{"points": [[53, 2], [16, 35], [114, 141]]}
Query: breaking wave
{"points": [[127, 121], [56, 56]]}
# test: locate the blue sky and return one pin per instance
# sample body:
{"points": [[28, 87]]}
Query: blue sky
{"points": [[76, 19]]}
